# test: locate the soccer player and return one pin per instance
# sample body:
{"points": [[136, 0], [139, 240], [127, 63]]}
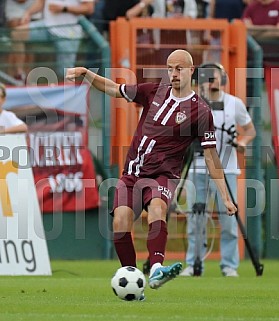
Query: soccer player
{"points": [[173, 116]]}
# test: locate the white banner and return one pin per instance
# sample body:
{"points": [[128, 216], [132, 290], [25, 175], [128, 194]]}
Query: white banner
{"points": [[23, 248]]}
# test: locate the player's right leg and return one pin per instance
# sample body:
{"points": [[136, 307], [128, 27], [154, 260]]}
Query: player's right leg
{"points": [[124, 210], [122, 237]]}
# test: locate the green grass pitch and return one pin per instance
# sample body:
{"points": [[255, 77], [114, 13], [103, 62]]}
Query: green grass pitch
{"points": [[80, 290]]}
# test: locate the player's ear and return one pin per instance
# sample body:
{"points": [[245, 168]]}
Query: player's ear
{"points": [[192, 69], [193, 76]]}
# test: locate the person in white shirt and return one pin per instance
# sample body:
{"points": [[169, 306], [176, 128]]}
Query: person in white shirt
{"points": [[59, 24], [15, 9], [229, 113], [9, 122]]}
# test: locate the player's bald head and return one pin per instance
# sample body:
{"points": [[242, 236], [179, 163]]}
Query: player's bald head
{"points": [[182, 56]]}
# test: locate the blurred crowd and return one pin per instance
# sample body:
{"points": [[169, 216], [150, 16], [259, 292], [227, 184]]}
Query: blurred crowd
{"points": [[17, 12], [25, 17]]}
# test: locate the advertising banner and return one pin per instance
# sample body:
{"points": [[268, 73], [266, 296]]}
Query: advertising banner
{"points": [[57, 119], [23, 248]]}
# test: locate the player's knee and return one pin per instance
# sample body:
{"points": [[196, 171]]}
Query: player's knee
{"points": [[122, 220], [157, 210]]}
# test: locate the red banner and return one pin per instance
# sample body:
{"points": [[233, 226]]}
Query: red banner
{"points": [[57, 119], [272, 84], [67, 187]]}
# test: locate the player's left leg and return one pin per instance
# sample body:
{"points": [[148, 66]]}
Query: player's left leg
{"points": [[122, 237], [158, 197], [156, 244]]}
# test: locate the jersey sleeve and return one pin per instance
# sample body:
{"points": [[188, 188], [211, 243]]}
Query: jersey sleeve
{"points": [[136, 93], [206, 131]]}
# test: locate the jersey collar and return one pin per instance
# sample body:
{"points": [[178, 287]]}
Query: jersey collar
{"points": [[179, 99]]}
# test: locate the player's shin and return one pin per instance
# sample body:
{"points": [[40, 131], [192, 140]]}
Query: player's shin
{"points": [[156, 241], [124, 247]]}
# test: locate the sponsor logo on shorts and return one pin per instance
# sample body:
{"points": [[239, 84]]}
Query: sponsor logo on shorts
{"points": [[165, 191]]}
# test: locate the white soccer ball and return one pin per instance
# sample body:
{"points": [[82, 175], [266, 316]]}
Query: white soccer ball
{"points": [[128, 283]]}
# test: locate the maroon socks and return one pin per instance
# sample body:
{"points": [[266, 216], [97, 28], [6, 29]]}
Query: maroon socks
{"points": [[156, 244], [156, 241], [125, 248]]}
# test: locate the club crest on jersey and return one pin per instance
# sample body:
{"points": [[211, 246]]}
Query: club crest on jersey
{"points": [[180, 118]]}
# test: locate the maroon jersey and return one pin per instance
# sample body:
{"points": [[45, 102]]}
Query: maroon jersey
{"points": [[167, 127]]}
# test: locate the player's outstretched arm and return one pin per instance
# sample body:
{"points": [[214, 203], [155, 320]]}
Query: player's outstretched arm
{"points": [[101, 83], [216, 172]]}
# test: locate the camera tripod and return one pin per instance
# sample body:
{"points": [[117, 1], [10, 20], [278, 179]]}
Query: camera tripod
{"points": [[198, 211]]}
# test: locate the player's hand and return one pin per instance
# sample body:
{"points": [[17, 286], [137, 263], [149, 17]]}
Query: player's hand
{"points": [[231, 208], [73, 73]]}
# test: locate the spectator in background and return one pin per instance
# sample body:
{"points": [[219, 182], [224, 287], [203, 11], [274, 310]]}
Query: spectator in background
{"points": [[203, 6], [9, 123], [14, 10], [226, 9], [59, 24], [97, 18], [114, 9], [221, 9], [166, 9], [262, 18]]}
